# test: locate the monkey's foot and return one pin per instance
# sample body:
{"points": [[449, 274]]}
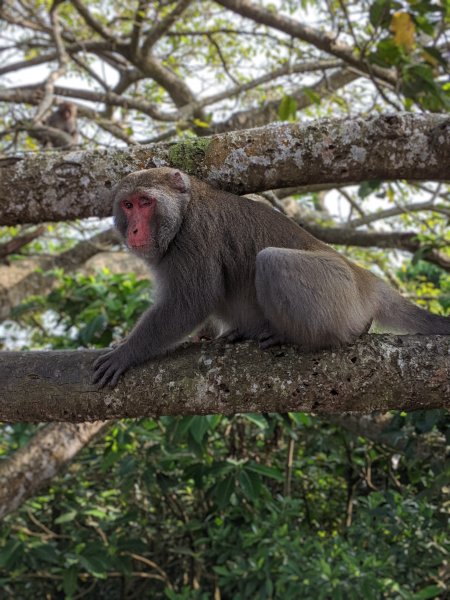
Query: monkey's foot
{"points": [[233, 336], [268, 339]]}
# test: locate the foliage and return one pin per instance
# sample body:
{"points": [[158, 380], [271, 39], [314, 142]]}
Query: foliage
{"points": [[404, 43], [200, 503], [429, 282], [84, 310], [180, 508]]}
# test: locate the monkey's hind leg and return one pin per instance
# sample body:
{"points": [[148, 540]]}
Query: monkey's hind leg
{"points": [[314, 299]]}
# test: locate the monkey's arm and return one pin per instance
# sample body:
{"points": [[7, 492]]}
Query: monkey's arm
{"points": [[159, 329]]}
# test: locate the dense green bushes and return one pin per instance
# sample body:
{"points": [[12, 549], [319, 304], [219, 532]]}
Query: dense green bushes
{"points": [[181, 508]]}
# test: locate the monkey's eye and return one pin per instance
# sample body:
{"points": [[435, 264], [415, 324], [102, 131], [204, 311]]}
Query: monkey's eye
{"points": [[127, 204], [146, 201]]}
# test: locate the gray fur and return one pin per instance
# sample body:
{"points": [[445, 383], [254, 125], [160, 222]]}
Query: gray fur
{"points": [[251, 269], [396, 314]]}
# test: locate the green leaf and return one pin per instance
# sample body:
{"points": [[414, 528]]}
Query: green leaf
{"points": [[97, 325], [198, 427], [258, 420], [182, 426], [425, 420], [300, 418], [70, 582], [287, 109], [224, 489], [250, 483], [221, 571], [379, 13], [387, 54], [94, 565], [271, 472], [431, 591], [200, 123], [66, 517], [47, 553], [9, 552], [367, 187], [420, 253], [96, 512], [312, 95]]}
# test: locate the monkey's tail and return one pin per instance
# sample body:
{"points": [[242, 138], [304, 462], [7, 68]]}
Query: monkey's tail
{"points": [[398, 314]]}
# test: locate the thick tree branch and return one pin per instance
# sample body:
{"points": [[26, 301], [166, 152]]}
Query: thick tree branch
{"points": [[18, 242], [178, 90], [379, 372], [62, 186], [34, 465]]}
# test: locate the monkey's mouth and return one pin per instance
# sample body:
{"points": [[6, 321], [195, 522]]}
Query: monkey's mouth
{"points": [[140, 247]]}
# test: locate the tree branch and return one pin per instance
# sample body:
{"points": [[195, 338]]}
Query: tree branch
{"points": [[325, 41], [19, 242], [400, 210], [175, 86], [162, 26], [401, 240], [92, 21], [41, 459], [108, 98], [62, 186], [268, 113], [378, 372], [286, 69]]}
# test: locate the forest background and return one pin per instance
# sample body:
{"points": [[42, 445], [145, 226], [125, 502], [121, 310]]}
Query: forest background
{"points": [[259, 505]]}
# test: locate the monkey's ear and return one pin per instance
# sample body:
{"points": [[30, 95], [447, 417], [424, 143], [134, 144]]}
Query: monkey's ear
{"points": [[179, 181]]}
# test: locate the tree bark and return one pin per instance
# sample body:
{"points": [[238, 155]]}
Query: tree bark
{"points": [[41, 459], [377, 373], [69, 185]]}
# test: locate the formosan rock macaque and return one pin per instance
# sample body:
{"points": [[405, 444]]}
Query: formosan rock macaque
{"points": [[247, 266], [63, 118]]}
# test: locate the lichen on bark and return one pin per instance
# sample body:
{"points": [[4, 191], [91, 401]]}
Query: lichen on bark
{"points": [[189, 153]]}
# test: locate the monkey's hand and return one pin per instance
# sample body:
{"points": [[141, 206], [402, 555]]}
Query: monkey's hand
{"points": [[109, 366]]}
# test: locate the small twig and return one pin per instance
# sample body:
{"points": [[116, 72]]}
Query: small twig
{"points": [[45, 529], [222, 59], [289, 465], [352, 203], [151, 564]]}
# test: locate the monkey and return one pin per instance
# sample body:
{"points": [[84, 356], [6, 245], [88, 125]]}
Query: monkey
{"points": [[63, 118], [251, 269]]}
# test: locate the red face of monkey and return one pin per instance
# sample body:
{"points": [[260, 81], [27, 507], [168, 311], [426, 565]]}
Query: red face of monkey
{"points": [[149, 207], [139, 211]]}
